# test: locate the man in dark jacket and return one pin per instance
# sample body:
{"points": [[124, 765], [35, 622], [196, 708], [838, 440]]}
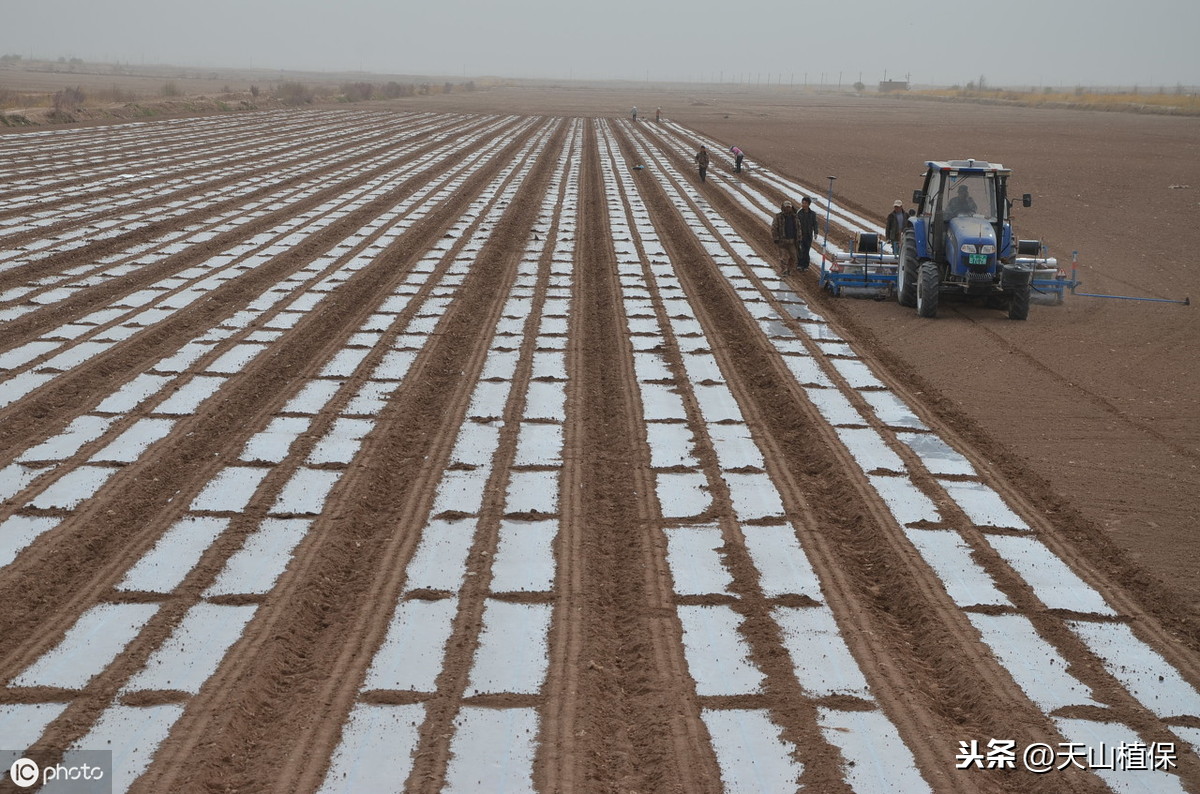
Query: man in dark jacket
{"points": [[961, 204], [701, 159], [807, 221], [785, 232], [895, 225]]}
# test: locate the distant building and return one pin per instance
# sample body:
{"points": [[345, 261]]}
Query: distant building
{"points": [[887, 86]]}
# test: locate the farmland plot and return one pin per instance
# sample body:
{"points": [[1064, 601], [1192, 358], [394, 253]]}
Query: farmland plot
{"points": [[362, 451]]}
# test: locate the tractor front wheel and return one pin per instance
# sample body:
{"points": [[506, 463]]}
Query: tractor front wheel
{"points": [[929, 282], [906, 273]]}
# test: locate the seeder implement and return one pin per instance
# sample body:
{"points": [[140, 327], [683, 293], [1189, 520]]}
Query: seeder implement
{"points": [[864, 271], [1049, 285]]}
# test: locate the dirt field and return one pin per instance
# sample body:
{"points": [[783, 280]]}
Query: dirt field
{"points": [[432, 446]]}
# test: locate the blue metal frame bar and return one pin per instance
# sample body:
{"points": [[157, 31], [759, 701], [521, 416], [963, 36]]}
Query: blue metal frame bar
{"points": [[1185, 301]]}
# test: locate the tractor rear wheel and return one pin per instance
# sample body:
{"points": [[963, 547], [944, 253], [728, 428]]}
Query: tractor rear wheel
{"points": [[906, 273], [929, 282], [1018, 303]]}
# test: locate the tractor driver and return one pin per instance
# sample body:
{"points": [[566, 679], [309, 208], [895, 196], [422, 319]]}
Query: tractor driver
{"points": [[962, 204]]}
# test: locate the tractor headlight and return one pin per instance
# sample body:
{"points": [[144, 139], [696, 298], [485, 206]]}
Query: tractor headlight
{"points": [[987, 249], [967, 248]]}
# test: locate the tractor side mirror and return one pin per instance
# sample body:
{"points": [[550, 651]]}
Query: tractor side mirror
{"points": [[1027, 200], [918, 196]]}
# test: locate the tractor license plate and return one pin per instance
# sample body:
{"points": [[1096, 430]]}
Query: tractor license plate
{"points": [[977, 259]]}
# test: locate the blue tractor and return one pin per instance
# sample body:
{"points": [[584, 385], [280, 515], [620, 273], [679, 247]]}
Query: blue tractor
{"points": [[960, 241]]}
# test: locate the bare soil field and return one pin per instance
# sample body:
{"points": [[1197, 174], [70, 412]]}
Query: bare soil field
{"points": [[472, 443]]}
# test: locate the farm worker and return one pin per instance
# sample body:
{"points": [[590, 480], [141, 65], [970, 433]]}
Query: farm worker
{"points": [[635, 112], [962, 204], [738, 154], [701, 159], [658, 115], [895, 225], [785, 233], [809, 226]]}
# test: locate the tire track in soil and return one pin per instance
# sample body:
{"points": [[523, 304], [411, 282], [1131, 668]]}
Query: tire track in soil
{"points": [[917, 647], [1114, 412], [120, 674], [107, 207], [38, 322], [61, 400], [134, 149], [282, 665], [181, 171], [838, 231], [77, 180], [1056, 528], [433, 753], [286, 199], [556, 766], [211, 215], [794, 710], [1172, 629], [635, 658], [182, 469], [283, 177], [1074, 537], [1051, 624], [600, 519], [223, 428], [384, 268]]}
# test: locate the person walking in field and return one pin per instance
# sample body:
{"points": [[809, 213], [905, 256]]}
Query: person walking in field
{"points": [[701, 159], [785, 233], [809, 225], [895, 225], [634, 112], [658, 115], [738, 156]]}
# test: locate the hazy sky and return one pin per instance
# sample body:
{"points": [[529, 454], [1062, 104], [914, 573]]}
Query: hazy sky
{"points": [[1013, 42]]}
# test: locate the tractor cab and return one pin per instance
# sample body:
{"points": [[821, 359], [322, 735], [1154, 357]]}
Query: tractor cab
{"points": [[961, 209]]}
